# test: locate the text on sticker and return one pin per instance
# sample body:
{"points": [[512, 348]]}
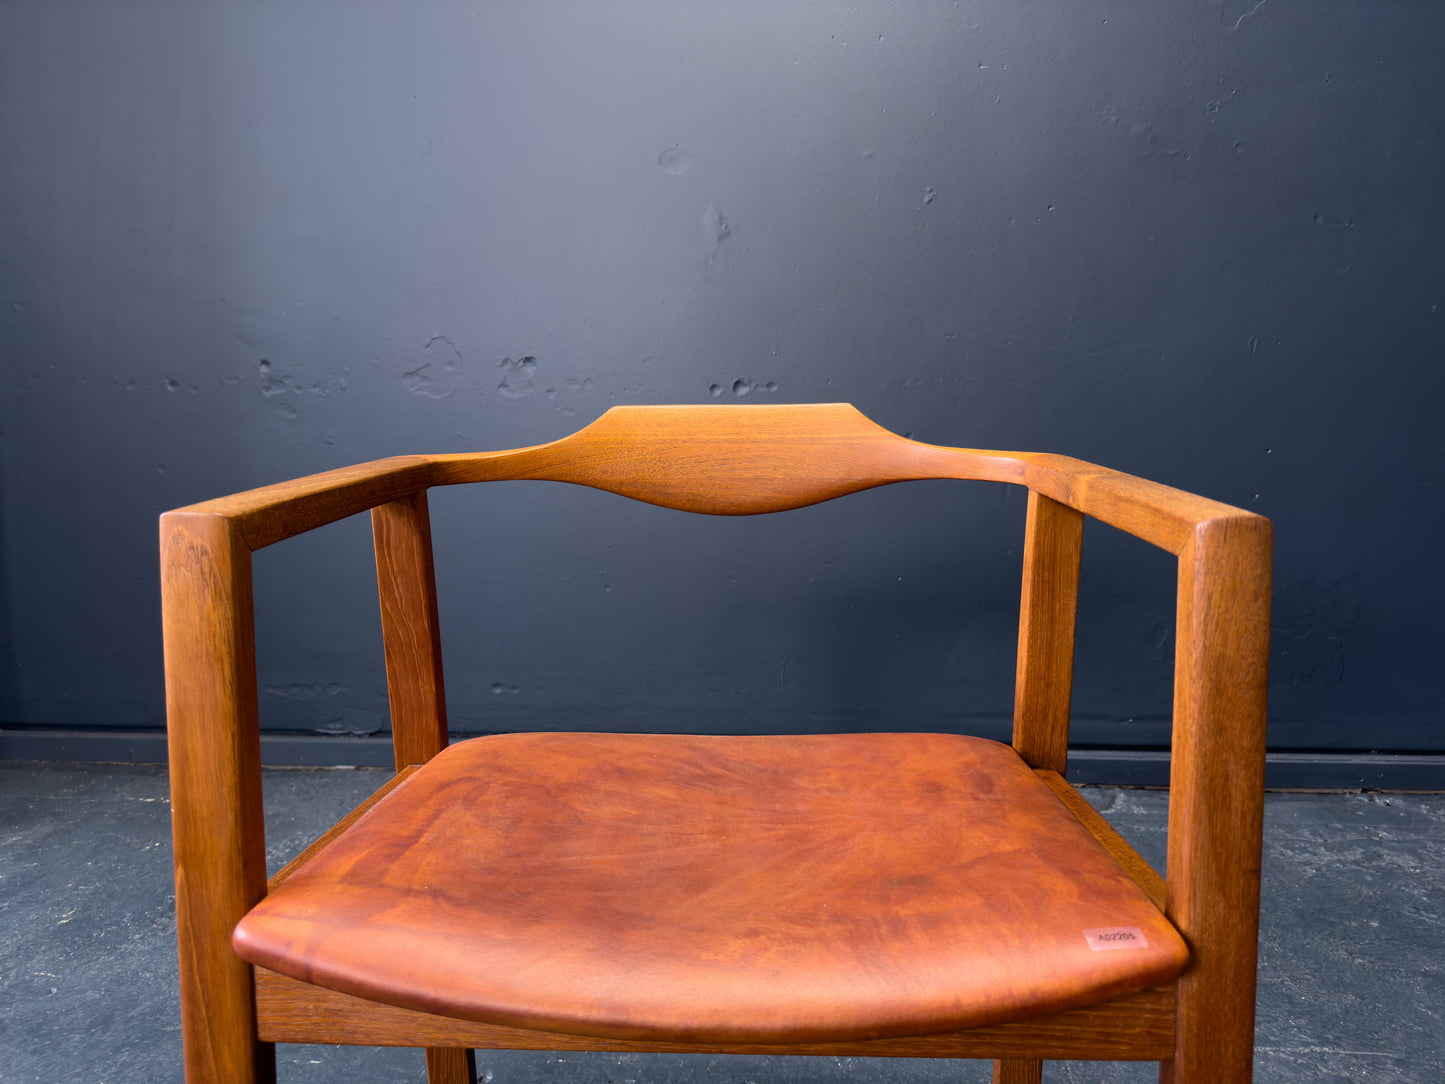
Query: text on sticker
{"points": [[1116, 937]]}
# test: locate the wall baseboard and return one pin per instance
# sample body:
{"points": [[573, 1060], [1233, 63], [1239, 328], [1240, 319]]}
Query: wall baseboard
{"points": [[1097, 767], [1282, 771], [149, 747]]}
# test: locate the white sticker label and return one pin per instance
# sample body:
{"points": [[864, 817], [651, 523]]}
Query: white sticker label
{"points": [[1116, 937]]}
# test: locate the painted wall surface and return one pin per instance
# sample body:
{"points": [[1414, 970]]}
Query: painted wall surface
{"points": [[1196, 241]]}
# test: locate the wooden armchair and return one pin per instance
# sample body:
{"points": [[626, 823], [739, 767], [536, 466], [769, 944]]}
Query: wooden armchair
{"points": [[890, 894]]}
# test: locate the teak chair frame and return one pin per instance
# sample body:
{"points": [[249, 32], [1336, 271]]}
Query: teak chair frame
{"points": [[728, 460]]}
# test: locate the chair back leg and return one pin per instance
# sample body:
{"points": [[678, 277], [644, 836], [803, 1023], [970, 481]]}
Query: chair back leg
{"points": [[450, 1065], [1018, 1071]]}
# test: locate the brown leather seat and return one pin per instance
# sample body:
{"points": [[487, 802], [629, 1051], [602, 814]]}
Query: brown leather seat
{"points": [[732, 889]]}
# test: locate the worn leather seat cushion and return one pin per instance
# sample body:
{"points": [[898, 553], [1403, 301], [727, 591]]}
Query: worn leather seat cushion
{"points": [[734, 889]]}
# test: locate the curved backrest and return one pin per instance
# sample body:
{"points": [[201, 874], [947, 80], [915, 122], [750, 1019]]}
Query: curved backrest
{"points": [[725, 460], [729, 460]]}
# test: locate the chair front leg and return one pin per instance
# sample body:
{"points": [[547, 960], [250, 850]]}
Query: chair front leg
{"points": [[1216, 795], [215, 776]]}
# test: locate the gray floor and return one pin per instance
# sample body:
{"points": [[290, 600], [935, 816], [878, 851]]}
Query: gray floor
{"points": [[1350, 953]]}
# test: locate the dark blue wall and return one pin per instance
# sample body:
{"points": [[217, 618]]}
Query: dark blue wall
{"points": [[1194, 241]]}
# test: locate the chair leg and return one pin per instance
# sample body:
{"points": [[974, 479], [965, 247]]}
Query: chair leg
{"points": [[450, 1065], [1017, 1071]]}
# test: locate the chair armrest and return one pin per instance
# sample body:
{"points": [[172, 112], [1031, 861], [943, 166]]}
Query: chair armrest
{"points": [[211, 707], [212, 718], [1216, 800], [1161, 515], [271, 513]]}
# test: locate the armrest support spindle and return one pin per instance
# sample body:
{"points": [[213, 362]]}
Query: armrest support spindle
{"points": [[406, 582], [1053, 542]]}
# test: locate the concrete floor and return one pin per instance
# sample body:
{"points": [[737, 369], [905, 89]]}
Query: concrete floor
{"points": [[1351, 984]]}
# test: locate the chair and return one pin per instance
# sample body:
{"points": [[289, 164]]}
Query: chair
{"points": [[889, 894]]}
